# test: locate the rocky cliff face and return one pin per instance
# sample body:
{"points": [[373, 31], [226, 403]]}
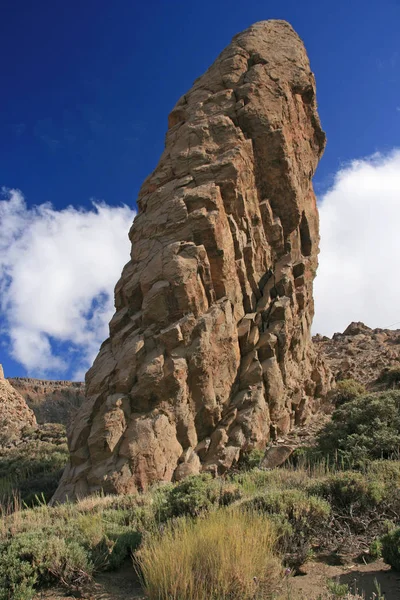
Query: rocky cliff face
{"points": [[209, 351], [361, 353], [15, 414], [51, 401]]}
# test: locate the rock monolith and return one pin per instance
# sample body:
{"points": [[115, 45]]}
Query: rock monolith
{"points": [[209, 354]]}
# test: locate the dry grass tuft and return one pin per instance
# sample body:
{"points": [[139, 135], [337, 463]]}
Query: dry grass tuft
{"points": [[229, 554]]}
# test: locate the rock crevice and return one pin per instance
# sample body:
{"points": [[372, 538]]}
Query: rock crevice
{"points": [[209, 352]]}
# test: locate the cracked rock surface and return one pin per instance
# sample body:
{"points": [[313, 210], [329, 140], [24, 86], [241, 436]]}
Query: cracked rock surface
{"points": [[15, 414], [209, 353], [361, 353]]}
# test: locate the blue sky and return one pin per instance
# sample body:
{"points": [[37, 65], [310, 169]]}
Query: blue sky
{"points": [[87, 88]]}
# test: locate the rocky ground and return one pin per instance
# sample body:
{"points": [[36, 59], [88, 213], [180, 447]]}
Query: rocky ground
{"points": [[122, 585], [360, 352], [361, 578], [309, 584]]}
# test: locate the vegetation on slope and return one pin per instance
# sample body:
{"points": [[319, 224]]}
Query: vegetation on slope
{"points": [[31, 468], [287, 514]]}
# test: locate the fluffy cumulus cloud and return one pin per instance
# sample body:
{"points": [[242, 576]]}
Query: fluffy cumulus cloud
{"points": [[358, 277], [58, 269]]}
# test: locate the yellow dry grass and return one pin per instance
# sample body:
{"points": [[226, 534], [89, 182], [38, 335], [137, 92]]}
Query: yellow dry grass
{"points": [[229, 554]]}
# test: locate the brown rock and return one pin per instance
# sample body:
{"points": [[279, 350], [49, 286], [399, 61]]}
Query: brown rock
{"points": [[275, 456], [360, 353], [51, 401], [210, 342], [15, 415]]}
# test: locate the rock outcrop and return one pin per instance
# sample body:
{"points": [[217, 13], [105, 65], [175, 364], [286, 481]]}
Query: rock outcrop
{"points": [[15, 415], [209, 352], [360, 353], [51, 401]]}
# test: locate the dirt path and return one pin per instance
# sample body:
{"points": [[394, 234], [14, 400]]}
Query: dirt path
{"points": [[119, 585], [311, 585], [122, 585]]}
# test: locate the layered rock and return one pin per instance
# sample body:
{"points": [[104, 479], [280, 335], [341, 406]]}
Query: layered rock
{"points": [[361, 353], [15, 415], [209, 352], [51, 401]]}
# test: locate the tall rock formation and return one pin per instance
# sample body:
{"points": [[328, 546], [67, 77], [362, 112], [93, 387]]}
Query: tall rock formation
{"points": [[15, 414], [209, 351]]}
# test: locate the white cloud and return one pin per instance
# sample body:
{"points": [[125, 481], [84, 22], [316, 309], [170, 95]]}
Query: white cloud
{"points": [[58, 269], [358, 277]]}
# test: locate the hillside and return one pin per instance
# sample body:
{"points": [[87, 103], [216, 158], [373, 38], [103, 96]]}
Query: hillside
{"points": [[51, 401], [361, 353]]}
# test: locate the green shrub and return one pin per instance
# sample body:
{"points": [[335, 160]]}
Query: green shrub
{"points": [[192, 496], [389, 378], [125, 544], [33, 557], [362, 429], [299, 517], [296, 506], [256, 480], [338, 590], [34, 467], [252, 459], [391, 549], [64, 544], [17, 577], [229, 493], [350, 492], [375, 549], [387, 471], [346, 390]]}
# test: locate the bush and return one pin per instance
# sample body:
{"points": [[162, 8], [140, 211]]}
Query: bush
{"points": [[387, 471], [34, 557], [64, 544], [192, 496], [34, 467], [17, 578], [225, 555], [391, 549], [389, 378], [251, 460], [350, 492], [300, 519], [256, 480], [338, 590], [229, 493], [346, 390], [375, 549], [306, 512], [362, 429]]}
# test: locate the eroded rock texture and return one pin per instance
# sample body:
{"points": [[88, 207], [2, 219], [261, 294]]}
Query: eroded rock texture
{"points": [[51, 401], [209, 351], [15, 415], [361, 353]]}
